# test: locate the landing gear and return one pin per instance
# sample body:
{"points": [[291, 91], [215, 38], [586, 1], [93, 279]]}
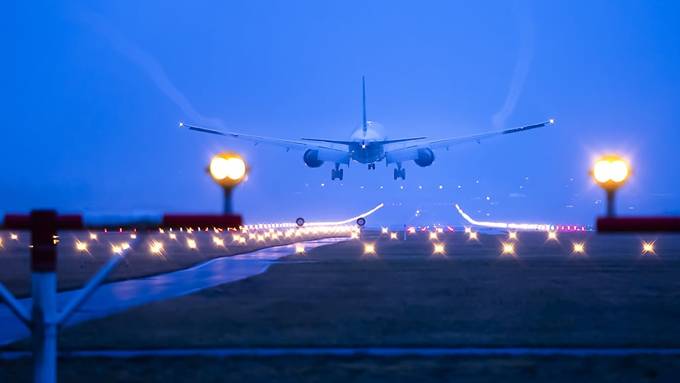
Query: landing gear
{"points": [[400, 172], [371, 166], [336, 173]]}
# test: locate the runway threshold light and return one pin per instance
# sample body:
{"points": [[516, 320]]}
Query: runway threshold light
{"points": [[610, 172], [228, 170]]}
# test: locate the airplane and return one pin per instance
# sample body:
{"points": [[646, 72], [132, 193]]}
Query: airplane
{"points": [[367, 146]]}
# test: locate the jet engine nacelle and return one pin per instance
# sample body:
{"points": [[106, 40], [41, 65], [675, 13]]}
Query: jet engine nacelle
{"points": [[425, 157], [316, 157], [311, 158]]}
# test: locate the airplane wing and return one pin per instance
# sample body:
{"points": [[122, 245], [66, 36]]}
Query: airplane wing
{"points": [[447, 142], [412, 152], [288, 144]]}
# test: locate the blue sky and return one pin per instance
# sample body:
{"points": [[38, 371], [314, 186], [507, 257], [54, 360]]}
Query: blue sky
{"points": [[96, 90]]}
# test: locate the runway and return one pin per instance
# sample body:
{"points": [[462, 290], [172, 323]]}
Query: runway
{"points": [[119, 296]]}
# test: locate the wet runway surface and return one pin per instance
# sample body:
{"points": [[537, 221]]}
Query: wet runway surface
{"points": [[119, 296]]}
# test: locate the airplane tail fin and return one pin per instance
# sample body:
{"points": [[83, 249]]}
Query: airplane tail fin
{"points": [[364, 123]]}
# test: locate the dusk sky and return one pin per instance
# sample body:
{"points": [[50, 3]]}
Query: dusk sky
{"points": [[96, 90]]}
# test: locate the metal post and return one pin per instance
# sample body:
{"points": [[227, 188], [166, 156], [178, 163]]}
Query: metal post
{"points": [[44, 289], [228, 201], [611, 203]]}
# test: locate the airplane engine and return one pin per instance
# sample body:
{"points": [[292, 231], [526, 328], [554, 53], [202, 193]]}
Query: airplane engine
{"points": [[311, 158], [425, 157]]}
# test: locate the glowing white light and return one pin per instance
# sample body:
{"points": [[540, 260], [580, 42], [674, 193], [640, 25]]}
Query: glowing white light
{"points": [[93, 236], [369, 248], [512, 235], [125, 246], [648, 248], [473, 236], [116, 249], [384, 230], [439, 248], [433, 236], [468, 230], [610, 169], [217, 241], [233, 168], [172, 236], [156, 247], [354, 235], [579, 248], [133, 236], [299, 248], [439, 230], [81, 246], [508, 248], [191, 244], [552, 236], [393, 235], [411, 230]]}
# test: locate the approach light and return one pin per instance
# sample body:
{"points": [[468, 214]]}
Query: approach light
{"points": [[512, 235], [369, 248], [648, 248], [578, 248], [384, 230], [172, 236], [93, 236], [393, 235], [552, 236], [468, 230], [433, 236], [610, 172], [472, 236], [133, 236], [299, 248], [439, 249]]}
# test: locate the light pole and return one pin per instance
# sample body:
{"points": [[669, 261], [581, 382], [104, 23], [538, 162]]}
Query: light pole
{"points": [[610, 172], [227, 170]]}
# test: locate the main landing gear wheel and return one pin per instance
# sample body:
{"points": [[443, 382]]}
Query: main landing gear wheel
{"points": [[400, 173], [336, 173]]}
